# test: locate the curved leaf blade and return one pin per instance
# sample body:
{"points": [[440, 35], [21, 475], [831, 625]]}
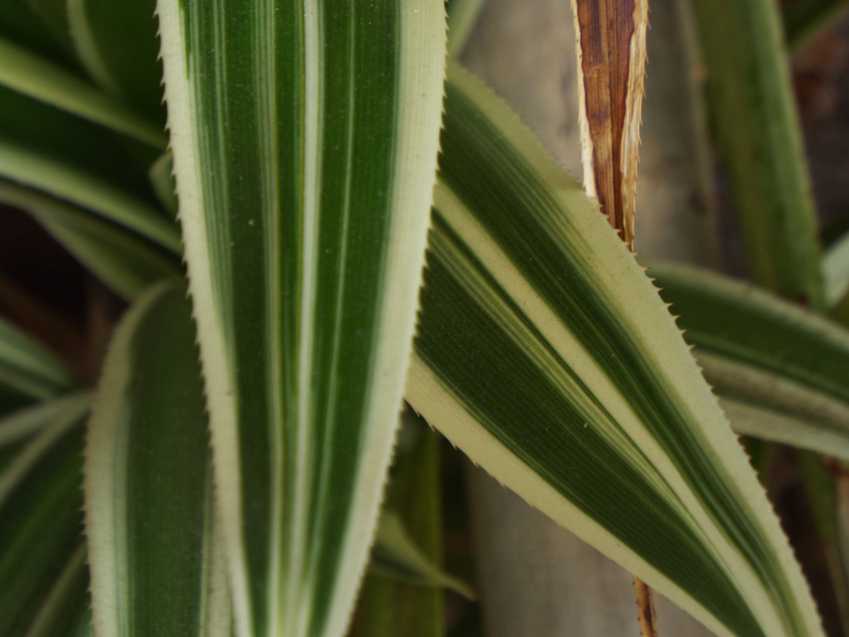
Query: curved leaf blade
{"points": [[27, 73], [782, 372], [26, 368], [804, 19], [462, 16], [54, 15], [835, 265], [40, 516], [156, 565], [161, 175], [304, 191], [117, 44], [25, 26], [53, 151], [123, 261], [66, 605], [547, 356], [20, 426], [397, 556]]}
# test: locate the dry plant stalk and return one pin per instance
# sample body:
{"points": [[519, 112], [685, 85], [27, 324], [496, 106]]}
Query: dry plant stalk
{"points": [[645, 608], [611, 58], [612, 66]]}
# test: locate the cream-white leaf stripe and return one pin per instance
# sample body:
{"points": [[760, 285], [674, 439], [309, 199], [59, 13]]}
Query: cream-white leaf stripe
{"points": [[157, 564], [781, 371], [545, 353], [304, 137]]}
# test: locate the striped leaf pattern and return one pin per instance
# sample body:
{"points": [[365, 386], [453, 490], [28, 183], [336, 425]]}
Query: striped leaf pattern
{"points": [[124, 261], [41, 516], [414, 496], [157, 564], [116, 43], [53, 151], [304, 138], [27, 370], [782, 372], [546, 355], [29, 74]]}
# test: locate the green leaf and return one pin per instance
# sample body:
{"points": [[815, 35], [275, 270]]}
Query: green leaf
{"points": [[28, 369], [19, 427], [842, 521], [117, 44], [414, 497], [40, 518], [840, 312], [397, 556], [804, 19], [546, 355], [125, 262], [161, 176], [304, 143], [66, 605], [835, 265], [24, 24], [821, 486], [758, 135], [54, 16], [157, 566], [782, 372], [50, 150], [462, 16], [41, 79]]}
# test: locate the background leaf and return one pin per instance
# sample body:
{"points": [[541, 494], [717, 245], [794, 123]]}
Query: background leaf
{"points": [[27, 73], [835, 265], [50, 150], [40, 517], [118, 46], [124, 261], [414, 497], [156, 562], [462, 15], [757, 130], [27, 369], [782, 371], [803, 19]]}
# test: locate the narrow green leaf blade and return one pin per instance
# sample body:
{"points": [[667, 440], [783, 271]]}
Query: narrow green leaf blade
{"points": [[547, 356], [782, 372], [156, 563], [835, 265], [53, 151], [123, 261], [25, 26], [27, 73], [414, 495], [161, 176], [54, 15], [117, 44], [462, 16], [40, 517], [304, 140], [758, 135], [66, 605], [397, 556], [20, 427], [28, 369], [804, 19]]}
